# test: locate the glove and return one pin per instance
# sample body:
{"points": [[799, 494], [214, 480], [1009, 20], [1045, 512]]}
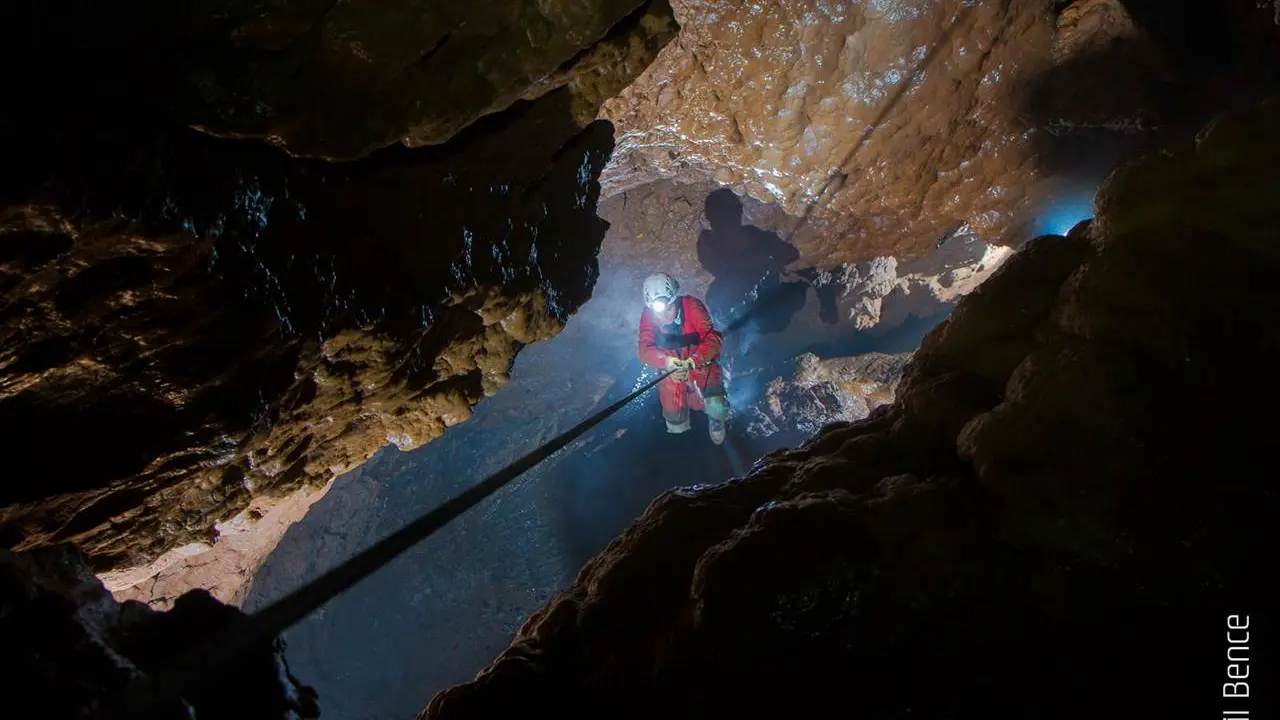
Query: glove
{"points": [[680, 367]]}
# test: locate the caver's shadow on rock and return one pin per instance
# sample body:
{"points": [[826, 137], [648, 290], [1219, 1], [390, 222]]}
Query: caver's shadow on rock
{"points": [[746, 263]]}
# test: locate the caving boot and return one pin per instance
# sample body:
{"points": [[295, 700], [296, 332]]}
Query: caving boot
{"points": [[677, 420], [715, 428]]}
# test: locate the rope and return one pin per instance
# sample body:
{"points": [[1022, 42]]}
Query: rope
{"points": [[260, 629], [263, 627]]}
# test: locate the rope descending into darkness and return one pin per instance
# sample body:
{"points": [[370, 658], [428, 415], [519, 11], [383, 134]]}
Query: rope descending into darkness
{"points": [[203, 660], [260, 629]]}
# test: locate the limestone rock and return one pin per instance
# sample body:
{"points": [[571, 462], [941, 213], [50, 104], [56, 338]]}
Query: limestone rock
{"points": [[833, 105], [469, 587], [664, 227], [269, 327], [1068, 465], [889, 123], [206, 327], [943, 277], [826, 391], [71, 651], [227, 568]]}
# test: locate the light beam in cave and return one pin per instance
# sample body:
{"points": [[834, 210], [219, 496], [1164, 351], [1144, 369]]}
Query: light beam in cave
{"points": [[1065, 211]]}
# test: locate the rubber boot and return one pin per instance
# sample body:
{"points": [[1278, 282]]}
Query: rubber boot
{"points": [[715, 428], [717, 412], [677, 421]]}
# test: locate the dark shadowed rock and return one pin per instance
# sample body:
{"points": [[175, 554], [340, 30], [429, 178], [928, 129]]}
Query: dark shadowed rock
{"points": [[1054, 518], [326, 79], [454, 601], [195, 327], [71, 651], [821, 392]]}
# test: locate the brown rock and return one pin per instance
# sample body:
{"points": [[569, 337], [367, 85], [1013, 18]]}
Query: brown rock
{"points": [[826, 391], [665, 227], [225, 569], [253, 360], [1068, 465], [888, 124], [207, 326], [791, 101]]}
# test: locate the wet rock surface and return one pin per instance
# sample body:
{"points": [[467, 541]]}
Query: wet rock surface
{"points": [[454, 602], [744, 257], [208, 329], [847, 312], [206, 323], [448, 606], [825, 391], [224, 569], [1065, 472], [892, 123], [71, 651]]}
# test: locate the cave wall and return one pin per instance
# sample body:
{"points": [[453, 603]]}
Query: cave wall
{"points": [[1055, 517], [319, 78], [848, 311], [825, 391], [807, 296], [470, 586], [197, 325], [72, 651], [889, 124]]}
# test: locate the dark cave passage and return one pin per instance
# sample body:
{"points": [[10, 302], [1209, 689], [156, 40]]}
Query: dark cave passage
{"points": [[249, 250], [451, 604]]}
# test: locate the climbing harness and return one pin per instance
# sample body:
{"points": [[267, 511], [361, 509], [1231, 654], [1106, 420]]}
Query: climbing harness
{"points": [[261, 629]]}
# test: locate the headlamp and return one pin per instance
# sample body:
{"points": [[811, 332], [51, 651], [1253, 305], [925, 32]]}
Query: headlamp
{"points": [[659, 305]]}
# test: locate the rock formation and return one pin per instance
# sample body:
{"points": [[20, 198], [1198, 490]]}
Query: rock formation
{"points": [[197, 326], [663, 227], [890, 123], [825, 391], [1054, 517], [205, 317], [453, 602], [594, 352], [71, 651], [225, 569]]}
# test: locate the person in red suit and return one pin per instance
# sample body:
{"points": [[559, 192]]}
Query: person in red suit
{"points": [[676, 333]]}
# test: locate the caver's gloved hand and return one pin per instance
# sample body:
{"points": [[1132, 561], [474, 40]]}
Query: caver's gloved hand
{"points": [[681, 368]]}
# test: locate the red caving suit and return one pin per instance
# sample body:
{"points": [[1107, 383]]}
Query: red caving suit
{"points": [[690, 334]]}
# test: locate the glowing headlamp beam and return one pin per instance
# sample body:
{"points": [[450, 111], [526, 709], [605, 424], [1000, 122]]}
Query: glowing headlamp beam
{"points": [[659, 305]]}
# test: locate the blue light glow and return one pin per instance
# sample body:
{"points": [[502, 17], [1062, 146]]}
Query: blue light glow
{"points": [[1064, 212]]}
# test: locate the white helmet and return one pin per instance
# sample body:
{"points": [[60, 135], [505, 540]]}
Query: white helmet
{"points": [[659, 290]]}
